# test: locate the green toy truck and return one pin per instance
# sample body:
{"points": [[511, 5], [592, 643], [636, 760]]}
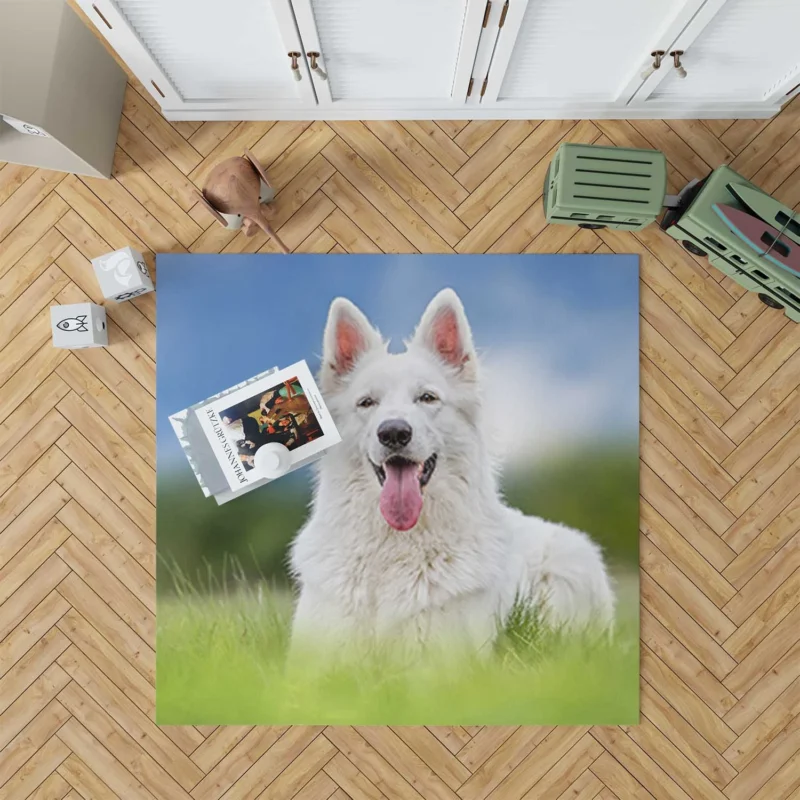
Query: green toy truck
{"points": [[598, 187], [696, 225]]}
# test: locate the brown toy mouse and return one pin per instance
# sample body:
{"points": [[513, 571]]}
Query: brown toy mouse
{"points": [[234, 189]]}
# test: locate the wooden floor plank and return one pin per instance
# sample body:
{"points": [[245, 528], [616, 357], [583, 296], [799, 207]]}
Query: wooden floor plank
{"points": [[682, 410], [419, 161], [687, 594], [153, 198], [691, 460], [112, 627], [37, 697], [12, 176], [227, 772], [37, 296], [99, 577], [683, 158], [32, 192], [135, 742], [493, 152], [25, 272], [402, 180], [767, 141], [680, 299], [452, 127], [682, 555], [384, 198], [771, 505], [109, 516], [539, 145], [759, 405], [686, 739], [144, 153], [683, 336], [108, 477], [109, 771], [686, 701], [35, 735], [742, 132], [370, 220], [159, 131], [129, 211], [31, 230], [348, 235], [209, 135], [766, 617], [84, 782], [128, 567], [290, 160], [704, 142], [106, 224], [697, 279], [437, 143]]}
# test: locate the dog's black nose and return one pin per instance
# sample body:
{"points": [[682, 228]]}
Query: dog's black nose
{"points": [[394, 433]]}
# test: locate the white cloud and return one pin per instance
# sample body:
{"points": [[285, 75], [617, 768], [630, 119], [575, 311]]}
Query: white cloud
{"points": [[534, 407]]}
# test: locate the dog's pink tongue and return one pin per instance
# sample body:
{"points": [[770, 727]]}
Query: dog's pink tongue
{"points": [[401, 496]]}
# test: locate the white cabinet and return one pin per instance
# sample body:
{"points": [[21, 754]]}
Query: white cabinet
{"points": [[576, 58], [230, 55], [384, 55], [746, 51], [339, 59], [572, 52]]}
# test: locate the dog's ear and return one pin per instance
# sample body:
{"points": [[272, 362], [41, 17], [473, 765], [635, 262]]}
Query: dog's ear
{"points": [[444, 330], [348, 335]]}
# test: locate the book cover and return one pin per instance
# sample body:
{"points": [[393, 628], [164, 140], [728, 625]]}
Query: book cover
{"points": [[221, 436]]}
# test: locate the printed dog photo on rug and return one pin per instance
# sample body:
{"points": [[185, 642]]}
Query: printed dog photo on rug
{"points": [[281, 414], [446, 560], [467, 554]]}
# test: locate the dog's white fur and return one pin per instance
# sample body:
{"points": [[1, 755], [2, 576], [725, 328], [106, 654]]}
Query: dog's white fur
{"points": [[457, 573]]}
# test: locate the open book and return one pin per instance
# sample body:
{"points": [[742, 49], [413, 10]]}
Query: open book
{"points": [[222, 435]]}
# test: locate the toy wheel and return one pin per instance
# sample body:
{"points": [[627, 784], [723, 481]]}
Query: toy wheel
{"points": [[592, 226], [769, 301], [693, 248]]}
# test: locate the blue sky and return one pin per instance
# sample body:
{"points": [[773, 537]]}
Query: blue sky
{"points": [[559, 334]]}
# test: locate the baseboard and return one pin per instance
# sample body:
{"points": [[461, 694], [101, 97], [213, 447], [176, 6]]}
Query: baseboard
{"points": [[697, 111]]}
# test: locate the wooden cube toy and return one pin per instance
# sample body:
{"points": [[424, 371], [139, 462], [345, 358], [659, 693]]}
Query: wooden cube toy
{"points": [[78, 325], [122, 274]]}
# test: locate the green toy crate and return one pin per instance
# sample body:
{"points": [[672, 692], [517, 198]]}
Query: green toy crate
{"points": [[702, 232], [605, 187]]}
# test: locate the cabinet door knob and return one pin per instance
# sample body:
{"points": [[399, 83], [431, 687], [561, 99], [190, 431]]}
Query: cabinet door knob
{"points": [[676, 58], [657, 56], [315, 68], [295, 65]]}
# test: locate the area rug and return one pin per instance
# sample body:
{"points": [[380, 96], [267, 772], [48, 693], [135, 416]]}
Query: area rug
{"points": [[464, 552]]}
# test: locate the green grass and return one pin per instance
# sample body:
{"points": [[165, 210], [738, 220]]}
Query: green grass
{"points": [[221, 660]]}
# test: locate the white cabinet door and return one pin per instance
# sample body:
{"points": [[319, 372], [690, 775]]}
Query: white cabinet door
{"points": [[387, 54], [746, 51], [208, 54], [579, 53]]}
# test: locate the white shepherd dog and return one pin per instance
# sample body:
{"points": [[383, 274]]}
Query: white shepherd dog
{"points": [[408, 537]]}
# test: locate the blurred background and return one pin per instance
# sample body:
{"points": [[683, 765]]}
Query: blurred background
{"points": [[558, 342]]}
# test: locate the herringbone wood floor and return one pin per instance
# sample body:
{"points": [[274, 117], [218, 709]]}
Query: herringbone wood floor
{"points": [[720, 550]]}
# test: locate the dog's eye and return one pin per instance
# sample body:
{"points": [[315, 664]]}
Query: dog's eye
{"points": [[427, 397], [366, 402]]}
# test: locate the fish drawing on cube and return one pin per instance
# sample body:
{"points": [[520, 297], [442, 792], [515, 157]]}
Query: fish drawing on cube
{"points": [[79, 325], [122, 275]]}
